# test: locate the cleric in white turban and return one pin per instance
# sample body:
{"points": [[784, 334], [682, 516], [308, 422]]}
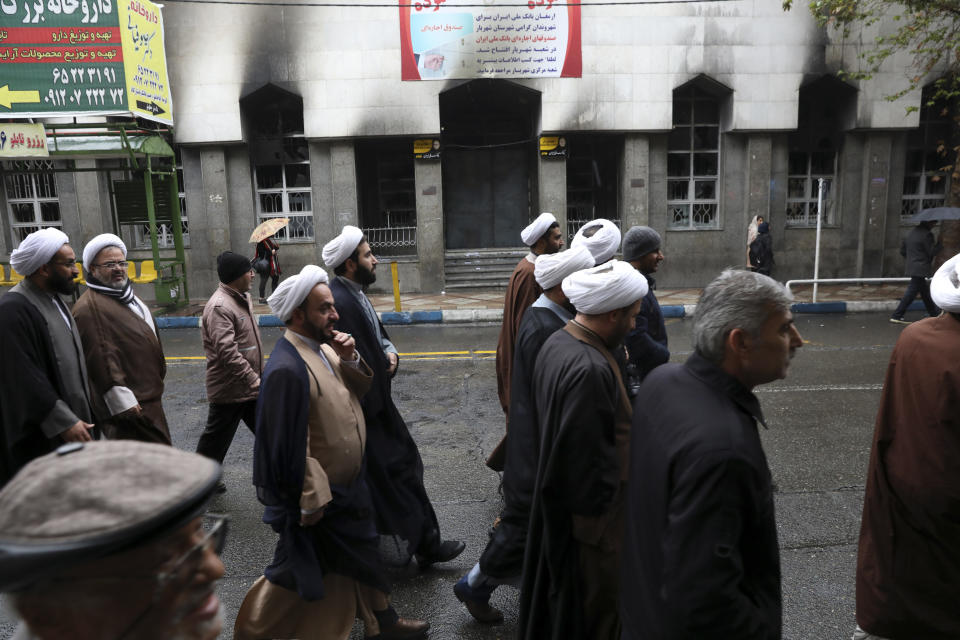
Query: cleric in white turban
{"points": [[945, 285], [601, 237], [550, 270], [291, 293], [607, 287], [342, 247], [36, 250], [535, 230], [97, 244]]}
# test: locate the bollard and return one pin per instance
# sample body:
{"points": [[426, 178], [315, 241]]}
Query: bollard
{"points": [[396, 286]]}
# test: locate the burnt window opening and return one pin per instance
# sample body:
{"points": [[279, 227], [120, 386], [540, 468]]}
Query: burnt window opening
{"points": [[925, 182], [693, 156], [593, 179], [273, 123], [388, 199], [825, 111]]}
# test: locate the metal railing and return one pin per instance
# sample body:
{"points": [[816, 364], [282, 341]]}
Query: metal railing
{"points": [[392, 240]]}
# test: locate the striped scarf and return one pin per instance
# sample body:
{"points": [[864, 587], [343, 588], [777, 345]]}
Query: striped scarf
{"points": [[124, 295]]}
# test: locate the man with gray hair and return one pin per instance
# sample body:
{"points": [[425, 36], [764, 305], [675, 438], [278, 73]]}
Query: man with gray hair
{"points": [[700, 554]]}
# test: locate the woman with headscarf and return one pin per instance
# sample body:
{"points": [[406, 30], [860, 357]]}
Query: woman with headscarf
{"points": [[267, 250], [761, 250]]}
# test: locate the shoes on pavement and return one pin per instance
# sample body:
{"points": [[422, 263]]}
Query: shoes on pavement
{"points": [[403, 629], [221, 487], [900, 321], [477, 602], [444, 552], [263, 301]]}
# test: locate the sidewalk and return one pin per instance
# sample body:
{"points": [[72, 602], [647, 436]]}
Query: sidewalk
{"points": [[486, 305]]}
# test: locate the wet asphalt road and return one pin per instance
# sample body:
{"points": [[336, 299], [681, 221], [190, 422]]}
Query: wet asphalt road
{"points": [[820, 425]]}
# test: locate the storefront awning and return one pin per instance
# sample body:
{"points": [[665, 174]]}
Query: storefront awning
{"points": [[106, 146]]}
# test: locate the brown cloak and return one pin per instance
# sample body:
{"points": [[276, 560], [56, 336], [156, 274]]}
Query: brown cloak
{"points": [[121, 350], [908, 562], [522, 291]]}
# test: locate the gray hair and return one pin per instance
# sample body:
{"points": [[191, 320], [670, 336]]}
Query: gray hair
{"points": [[736, 299]]}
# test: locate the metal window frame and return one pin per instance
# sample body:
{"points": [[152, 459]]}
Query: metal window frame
{"points": [[285, 191], [696, 95], [810, 181], [34, 199]]}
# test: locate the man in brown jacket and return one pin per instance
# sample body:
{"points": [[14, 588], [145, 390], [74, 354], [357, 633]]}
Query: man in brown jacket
{"points": [[121, 347], [231, 342]]}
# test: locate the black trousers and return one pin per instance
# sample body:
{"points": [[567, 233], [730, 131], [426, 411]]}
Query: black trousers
{"points": [[222, 423], [917, 285], [263, 283]]}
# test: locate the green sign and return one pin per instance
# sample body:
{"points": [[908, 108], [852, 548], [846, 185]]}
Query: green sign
{"points": [[83, 57]]}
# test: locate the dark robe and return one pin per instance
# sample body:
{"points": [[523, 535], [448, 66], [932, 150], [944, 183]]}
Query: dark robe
{"points": [[344, 540], [522, 291], [647, 342], [503, 556], [122, 350], [581, 403], [33, 385], [908, 561], [394, 466]]}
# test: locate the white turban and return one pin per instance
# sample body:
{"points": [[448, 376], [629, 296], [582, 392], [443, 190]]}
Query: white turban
{"points": [[603, 244], [945, 285], [550, 269], [339, 249], [535, 230], [37, 249], [604, 288], [99, 243], [294, 290]]}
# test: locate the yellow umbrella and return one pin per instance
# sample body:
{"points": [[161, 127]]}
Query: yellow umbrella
{"points": [[267, 228]]}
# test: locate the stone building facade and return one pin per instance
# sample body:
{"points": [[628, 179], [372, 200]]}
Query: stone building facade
{"points": [[690, 118]]}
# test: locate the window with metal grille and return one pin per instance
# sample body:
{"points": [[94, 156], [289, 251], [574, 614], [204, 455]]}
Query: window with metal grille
{"points": [[140, 233], [593, 179], [924, 180], [388, 198], [32, 200], [803, 184], [693, 160], [283, 190]]}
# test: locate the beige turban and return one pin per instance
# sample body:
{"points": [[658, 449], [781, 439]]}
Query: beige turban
{"points": [[339, 249], [37, 249], [603, 244], [945, 285], [604, 288], [535, 230], [294, 290], [550, 269], [99, 243]]}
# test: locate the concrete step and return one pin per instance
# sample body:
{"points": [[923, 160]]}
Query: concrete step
{"points": [[480, 268], [506, 263]]}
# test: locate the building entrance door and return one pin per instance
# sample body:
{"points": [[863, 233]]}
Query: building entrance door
{"points": [[489, 151]]}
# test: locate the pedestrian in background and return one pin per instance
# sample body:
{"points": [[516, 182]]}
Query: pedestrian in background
{"points": [[761, 250], [266, 256], [572, 560], [123, 352], [502, 560], [394, 468], [908, 560], [544, 237], [700, 554], [45, 400], [231, 343], [110, 540], [919, 248], [646, 343]]}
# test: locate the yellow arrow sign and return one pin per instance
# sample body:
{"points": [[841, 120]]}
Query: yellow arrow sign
{"points": [[8, 97]]}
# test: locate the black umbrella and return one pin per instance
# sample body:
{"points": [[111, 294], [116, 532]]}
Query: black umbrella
{"points": [[940, 213]]}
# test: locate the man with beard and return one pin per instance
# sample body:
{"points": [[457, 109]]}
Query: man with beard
{"points": [[647, 341], [308, 468], [502, 560], [544, 237], [394, 467], [110, 540], [700, 554], [45, 401], [583, 413], [123, 352]]}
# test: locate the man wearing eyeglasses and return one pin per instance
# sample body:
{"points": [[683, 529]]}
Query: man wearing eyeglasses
{"points": [[121, 346], [44, 400], [141, 564]]}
